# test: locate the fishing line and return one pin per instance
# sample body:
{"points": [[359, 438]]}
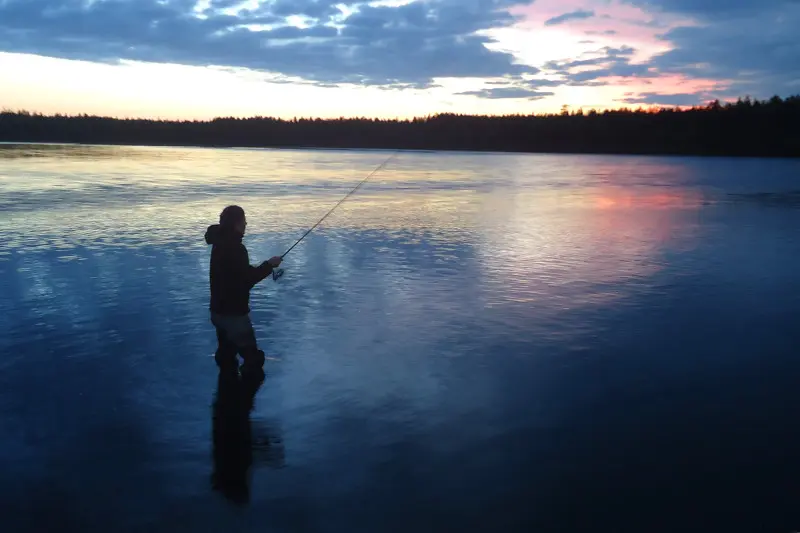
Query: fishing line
{"points": [[278, 272]]}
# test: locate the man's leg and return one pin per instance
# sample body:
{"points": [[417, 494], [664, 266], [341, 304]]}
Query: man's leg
{"points": [[239, 331], [248, 348], [226, 347], [253, 363]]}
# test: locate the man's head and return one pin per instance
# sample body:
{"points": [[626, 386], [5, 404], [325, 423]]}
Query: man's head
{"points": [[232, 217]]}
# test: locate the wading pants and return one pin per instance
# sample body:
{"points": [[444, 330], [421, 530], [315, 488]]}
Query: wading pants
{"points": [[235, 335]]}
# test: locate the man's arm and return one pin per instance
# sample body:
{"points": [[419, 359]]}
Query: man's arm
{"points": [[248, 274]]}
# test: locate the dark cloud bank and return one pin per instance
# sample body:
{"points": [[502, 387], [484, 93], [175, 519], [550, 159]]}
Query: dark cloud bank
{"points": [[407, 45], [750, 46]]}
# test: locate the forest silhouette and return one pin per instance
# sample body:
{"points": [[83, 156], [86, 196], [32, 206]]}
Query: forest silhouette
{"points": [[744, 128]]}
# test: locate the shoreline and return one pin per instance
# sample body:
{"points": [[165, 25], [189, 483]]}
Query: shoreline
{"points": [[566, 152], [747, 128]]}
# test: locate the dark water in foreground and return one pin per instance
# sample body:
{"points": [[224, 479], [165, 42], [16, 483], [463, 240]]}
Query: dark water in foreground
{"points": [[474, 343]]}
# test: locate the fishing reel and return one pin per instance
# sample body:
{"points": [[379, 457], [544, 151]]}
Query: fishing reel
{"points": [[277, 273]]}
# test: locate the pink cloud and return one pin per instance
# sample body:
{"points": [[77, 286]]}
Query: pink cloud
{"points": [[614, 23], [581, 43]]}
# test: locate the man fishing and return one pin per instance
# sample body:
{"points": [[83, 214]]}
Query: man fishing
{"points": [[232, 276]]}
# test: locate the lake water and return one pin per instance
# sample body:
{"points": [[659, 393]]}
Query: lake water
{"points": [[473, 342]]}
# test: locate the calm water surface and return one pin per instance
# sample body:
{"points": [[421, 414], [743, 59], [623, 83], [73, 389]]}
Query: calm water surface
{"points": [[474, 342]]}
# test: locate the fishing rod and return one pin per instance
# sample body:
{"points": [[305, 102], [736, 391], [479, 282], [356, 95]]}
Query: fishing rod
{"points": [[278, 272]]}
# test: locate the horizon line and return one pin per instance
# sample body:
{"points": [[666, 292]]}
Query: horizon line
{"points": [[649, 108], [566, 109]]}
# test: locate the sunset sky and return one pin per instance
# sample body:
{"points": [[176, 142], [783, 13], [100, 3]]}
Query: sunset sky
{"points": [[390, 58]]}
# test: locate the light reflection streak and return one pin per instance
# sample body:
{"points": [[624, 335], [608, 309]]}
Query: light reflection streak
{"points": [[443, 237]]}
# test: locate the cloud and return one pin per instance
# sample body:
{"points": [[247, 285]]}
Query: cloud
{"points": [[564, 67], [293, 32], [529, 89], [606, 32], [654, 23], [710, 9], [408, 45], [620, 70], [579, 14], [218, 5], [612, 62], [620, 51], [507, 92], [685, 99], [316, 9], [539, 83], [752, 46]]}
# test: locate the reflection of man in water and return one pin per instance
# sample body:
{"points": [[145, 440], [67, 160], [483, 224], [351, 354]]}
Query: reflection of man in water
{"points": [[232, 436], [235, 445], [232, 277]]}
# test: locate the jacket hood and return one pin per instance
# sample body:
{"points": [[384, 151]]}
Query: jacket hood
{"points": [[216, 234]]}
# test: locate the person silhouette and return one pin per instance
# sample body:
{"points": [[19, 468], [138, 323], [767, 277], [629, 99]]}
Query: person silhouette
{"points": [[231, 278]]}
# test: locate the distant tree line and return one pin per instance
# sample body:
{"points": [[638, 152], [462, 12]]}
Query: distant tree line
{"points": [[744, 128]]}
